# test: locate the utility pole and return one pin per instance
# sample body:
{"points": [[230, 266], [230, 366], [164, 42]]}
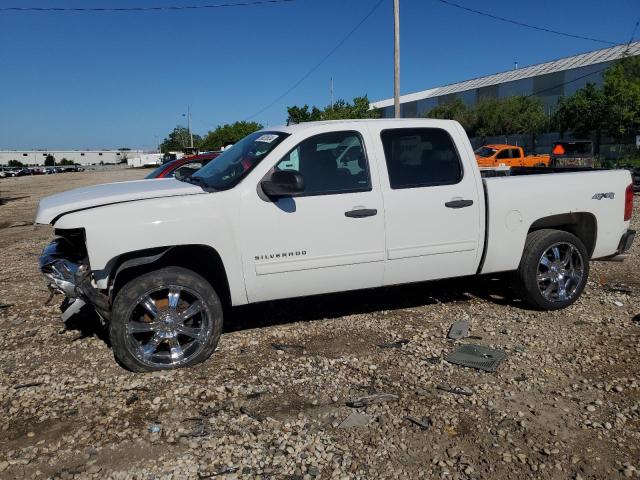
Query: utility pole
{"points": [[190, 134], [331, 89], [396, 57]]}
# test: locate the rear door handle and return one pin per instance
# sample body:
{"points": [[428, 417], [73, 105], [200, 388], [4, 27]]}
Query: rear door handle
{"points": [[458, 203], [361, 212]]}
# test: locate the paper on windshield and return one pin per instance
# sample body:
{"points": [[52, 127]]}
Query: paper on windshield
{"points": [[267, 138]]}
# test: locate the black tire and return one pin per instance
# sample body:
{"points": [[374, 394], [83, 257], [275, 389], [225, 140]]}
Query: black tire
{"points": [[527, 283], [128, 312]]}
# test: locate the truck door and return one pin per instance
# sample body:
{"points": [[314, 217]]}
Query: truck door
{"points": [[503, 157], [432, 207], [331, 237]]}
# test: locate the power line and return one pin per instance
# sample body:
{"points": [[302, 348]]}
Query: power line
{"points": [[141, 9], [633, 34], [521, 24], [317, 65]]}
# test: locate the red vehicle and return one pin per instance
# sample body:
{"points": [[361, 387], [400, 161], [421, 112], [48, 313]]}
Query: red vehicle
{"points": [[183, 167]]}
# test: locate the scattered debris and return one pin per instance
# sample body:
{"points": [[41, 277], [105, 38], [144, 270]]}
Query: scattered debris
{"points": [[208, 411], [5, 305], [458, 330], [424, 423], [132, 399], [356, 419], [283, 347], [618, 304], [369, 399], [155, 428], [521, 378], [396, 344], [20, 224], [199, 430], [618, 287], [222, 471], [27, 385], [476, 356], [256, 416], [433, 360], [455, 389]]}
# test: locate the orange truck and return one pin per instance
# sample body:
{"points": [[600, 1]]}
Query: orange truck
{"points": [[508, 156]]}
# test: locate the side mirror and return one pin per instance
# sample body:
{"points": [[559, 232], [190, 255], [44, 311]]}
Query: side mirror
{"points": [[283, 183]]}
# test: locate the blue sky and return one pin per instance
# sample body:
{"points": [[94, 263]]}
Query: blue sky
{"points": [[109, 80]]}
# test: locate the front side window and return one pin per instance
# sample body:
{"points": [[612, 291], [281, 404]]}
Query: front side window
{"points": [[420, 157], [237, 161], [330, 163]]}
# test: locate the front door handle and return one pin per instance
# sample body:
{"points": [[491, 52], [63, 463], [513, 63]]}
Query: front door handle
{"points": [[361, 212], [458, 203]]}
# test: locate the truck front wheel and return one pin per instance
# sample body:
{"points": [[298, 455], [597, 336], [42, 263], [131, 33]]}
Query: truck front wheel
{"points": [[553, 270], [168, 318]]}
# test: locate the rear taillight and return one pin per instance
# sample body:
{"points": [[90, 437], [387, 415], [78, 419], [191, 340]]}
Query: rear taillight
{"points": [[628, 202]]}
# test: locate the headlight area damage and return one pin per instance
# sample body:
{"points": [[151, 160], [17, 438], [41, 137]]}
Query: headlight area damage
{"points": [[65, 266]]}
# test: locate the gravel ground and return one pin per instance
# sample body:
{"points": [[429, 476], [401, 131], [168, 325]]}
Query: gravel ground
{"points": [[565, 403]]}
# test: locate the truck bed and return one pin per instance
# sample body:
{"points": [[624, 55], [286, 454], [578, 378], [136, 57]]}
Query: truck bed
{"points": [[515, 202]]}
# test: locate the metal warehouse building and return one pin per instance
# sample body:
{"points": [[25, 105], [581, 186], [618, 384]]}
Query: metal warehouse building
{"points": [[83, 157], [548, 81]]}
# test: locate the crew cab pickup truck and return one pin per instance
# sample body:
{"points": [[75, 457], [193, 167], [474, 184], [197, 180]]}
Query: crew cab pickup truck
{"points": [[315, 208], [508, 156]]}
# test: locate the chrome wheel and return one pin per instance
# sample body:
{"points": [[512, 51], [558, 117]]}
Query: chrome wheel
{"points": [[167, 326], [560, 272]]}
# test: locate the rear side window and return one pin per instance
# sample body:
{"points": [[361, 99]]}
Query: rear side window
{"points": [[420, 157]]}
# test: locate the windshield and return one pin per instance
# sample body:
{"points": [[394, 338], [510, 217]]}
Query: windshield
{"points": [[234, 164], [485, 152]]}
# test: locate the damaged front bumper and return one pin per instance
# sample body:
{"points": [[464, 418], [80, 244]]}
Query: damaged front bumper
{"points": [[68, 275], [61, 274]]}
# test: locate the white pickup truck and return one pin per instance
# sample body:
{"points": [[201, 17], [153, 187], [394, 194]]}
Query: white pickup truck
{"points": [[316, 208]]}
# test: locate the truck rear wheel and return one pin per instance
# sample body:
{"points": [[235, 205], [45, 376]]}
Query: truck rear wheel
{"points": [[553, 270], [168, 318]]}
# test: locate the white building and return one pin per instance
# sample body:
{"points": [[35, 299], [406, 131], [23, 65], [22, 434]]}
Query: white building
{"points": [[548, 81], [83, 157]]}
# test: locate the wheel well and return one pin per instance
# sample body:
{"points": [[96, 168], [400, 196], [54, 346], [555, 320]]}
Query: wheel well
{"points": [[582, 225], [202, 259]]}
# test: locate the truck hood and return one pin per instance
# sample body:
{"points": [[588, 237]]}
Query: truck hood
{"points": [[50, 208]]}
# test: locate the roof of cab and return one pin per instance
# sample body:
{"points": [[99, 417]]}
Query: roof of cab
{"points": [[294, 127]]}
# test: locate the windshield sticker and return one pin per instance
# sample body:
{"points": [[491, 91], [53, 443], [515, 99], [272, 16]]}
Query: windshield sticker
{"points": [[267, 138]]}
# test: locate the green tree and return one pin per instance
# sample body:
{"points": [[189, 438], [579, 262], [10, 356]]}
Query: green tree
{"points": [[341, 110], [586, 111], [50, 161], [179, 139], [65, 162], [622, 93], [15, 163], [494, 116], [456, 110], [228, 134]]}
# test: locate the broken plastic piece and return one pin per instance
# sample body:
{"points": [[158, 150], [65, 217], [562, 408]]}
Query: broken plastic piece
{"points": [[369, 399], [455, 389], [476, 356], [396, 344], [424, 423], [458, 330]]}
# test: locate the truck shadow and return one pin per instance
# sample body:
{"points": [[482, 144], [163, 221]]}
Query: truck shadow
{"points": [[494, 289]]}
